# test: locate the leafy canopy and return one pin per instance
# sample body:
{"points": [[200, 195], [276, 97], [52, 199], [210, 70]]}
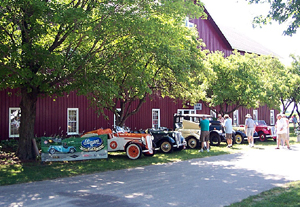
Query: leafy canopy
{"points": [[281, 11]]}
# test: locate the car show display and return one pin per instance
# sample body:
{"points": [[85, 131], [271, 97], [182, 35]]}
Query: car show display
{"points": [[166, 141], [134, 144], [188, 125]]}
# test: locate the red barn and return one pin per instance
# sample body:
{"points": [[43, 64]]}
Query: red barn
{"points": [[72, 115]]}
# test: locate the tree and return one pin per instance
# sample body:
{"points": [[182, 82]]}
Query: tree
{"points": [[281, 11], [51, 47], [166, 62], [238, 81], [293, 85]]}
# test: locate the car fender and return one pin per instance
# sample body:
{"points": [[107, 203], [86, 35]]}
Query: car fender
{"points": [[265, 131], [241, 133], [167, 138]]}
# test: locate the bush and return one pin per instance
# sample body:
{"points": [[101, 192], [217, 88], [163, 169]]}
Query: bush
{"points": [[10, 145]]}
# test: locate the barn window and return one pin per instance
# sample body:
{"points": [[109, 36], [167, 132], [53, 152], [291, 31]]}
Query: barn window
{"points": [[115, 118], [213, 114], [236, 118], [155, 118], [14, 121], [255, 115], [186, 111], [73, 121], [188, 23], [272, 117]]}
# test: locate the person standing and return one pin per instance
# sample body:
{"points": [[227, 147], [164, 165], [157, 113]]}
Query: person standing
{"points": [[204, 136], [249, 129], [287, 127], [281, 127], [228, 130], [220, 119]]}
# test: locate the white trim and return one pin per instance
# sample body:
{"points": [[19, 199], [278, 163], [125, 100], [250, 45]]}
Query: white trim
{"points": [[118, 109], [255, 115], [76, 121], [186, 111], [10, 122], [236, 118], [272, 117], [154, 113], [213, 114]]}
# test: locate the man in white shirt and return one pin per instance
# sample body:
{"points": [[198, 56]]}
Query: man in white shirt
{"points": [[281, 127]]}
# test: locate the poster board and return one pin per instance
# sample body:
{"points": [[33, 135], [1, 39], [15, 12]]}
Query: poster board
{"points": [[74, 148]]}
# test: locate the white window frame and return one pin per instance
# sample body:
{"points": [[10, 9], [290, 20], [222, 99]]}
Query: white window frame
{"points": [[11, 122], [76, 121], [255, 115], [236, 118], [186, 111], [183, 111], [158, 118], [188, 23], [213, 114], [272, 117], [118, 109]]}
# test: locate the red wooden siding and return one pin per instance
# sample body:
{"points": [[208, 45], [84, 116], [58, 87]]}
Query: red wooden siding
{"points": [[211, 35]]}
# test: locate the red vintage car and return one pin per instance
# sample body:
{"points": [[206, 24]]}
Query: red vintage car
{"points": [[134, 144], [264, 131]]}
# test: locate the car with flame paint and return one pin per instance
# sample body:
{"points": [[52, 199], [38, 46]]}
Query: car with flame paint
{"points": [[167, 140], [134, 144]]}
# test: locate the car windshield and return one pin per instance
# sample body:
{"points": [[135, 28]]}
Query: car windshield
{"points": [[260, 122]]}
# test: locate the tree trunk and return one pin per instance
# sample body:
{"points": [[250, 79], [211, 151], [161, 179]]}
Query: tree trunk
{"points": [[28, 114]]}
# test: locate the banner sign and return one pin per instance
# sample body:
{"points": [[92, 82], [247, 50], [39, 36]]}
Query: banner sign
{"points": [[74, 148]]}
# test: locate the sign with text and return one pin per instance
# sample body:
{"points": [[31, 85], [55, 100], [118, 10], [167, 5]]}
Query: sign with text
{"points": [[74, 148], [198, 106]]}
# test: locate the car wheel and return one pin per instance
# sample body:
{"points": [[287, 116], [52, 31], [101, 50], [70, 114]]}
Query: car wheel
{"points": [[52, 151], [192, 143], [133, 151], [166, 147], [215, 139], [239, 139], [72, 150], [262, 137]]}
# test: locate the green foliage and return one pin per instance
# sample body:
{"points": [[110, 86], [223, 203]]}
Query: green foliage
{"points": [[51, 47], [9, 145], [157, 55], [241, 81], [280, 11]]}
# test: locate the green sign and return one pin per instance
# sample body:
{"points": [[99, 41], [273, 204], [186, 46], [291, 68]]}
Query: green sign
{"points": [[74, 148]]}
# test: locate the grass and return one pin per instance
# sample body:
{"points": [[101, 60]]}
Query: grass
{"points": [[281, 196], [13, 173], [36, 171]]}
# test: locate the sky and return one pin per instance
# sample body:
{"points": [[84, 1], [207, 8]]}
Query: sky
{"points": [[238, 14]]}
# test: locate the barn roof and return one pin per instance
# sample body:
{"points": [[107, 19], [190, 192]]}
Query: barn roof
{"points": [[242, 42], [239, 41]]}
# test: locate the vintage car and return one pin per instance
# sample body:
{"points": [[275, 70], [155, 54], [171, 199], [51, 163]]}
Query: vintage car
{"points": [[61, 149], [240, 135], [264, 131], [134, 144], [166, 141], [188, 125], [217, 133]]}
